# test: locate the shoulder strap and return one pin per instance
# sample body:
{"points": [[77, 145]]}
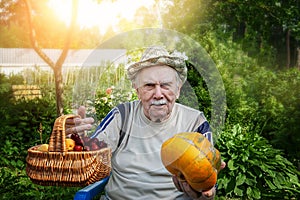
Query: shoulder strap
{"points": [[124, 109]]}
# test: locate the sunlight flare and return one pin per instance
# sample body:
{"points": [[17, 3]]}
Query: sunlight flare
{"points": [[102, 15]]}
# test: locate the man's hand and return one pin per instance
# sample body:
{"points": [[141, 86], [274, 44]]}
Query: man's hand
{"points": [[183, 186], [79, 125]]}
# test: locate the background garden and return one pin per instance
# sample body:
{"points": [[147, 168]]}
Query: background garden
{"points": [[253, 45]]}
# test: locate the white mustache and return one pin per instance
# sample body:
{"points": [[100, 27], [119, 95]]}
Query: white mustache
{"points": [[160, 102]]}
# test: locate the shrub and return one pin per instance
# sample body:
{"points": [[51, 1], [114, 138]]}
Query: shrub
{"points": [[25, 124], [111, 97], [277, 98], [255, 170], [257, 95]]}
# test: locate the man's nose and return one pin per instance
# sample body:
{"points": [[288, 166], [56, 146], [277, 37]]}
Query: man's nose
{"points": [[158, 92]]}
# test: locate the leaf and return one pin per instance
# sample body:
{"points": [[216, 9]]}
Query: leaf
{"points": [[238, 191], [242, 167], [249, 191], [230, 186], [223, 183], [251, 181], [231, 165], [257, 171], [277, 183], [13, 163], [20, 163], [256, 193], [270, 184], [245, 156], [240, 179]]}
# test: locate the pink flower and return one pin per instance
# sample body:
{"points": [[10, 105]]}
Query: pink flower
{"points": [[108, 91]]}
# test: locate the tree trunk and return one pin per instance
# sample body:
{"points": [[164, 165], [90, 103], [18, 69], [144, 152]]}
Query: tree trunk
{"points": [[57, 67], [288, 51], [59, 89]]}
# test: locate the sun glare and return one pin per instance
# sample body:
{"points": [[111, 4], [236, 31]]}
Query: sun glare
{"points": [[102, 15]]}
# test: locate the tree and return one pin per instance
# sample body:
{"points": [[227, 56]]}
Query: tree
{"points": [[190, 16], [257, 24], [56, 66], [271, 22]]}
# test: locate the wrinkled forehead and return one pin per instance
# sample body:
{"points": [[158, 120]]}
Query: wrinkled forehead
{"points": [[156, 74]]}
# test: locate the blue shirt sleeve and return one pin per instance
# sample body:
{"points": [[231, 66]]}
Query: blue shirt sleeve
{"points": [[205, 130], [107, 119]]}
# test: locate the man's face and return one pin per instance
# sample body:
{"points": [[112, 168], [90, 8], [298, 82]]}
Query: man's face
{"points": [[158, 88]]}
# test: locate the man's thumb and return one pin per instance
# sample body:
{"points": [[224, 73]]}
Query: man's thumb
{"points": [[81, 112]]}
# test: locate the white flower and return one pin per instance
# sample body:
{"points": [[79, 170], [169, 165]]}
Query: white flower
{"points": [[104, 99]]}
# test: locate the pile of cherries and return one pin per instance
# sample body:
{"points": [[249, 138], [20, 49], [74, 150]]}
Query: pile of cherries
{"points": [[85, 143]]}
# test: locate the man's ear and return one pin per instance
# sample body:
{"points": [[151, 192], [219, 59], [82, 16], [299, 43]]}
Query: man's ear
{"points": [[136, 90], [178, 92]]}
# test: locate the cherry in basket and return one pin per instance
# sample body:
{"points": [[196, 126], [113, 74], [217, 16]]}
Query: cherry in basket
{"points": [[77, 139]]}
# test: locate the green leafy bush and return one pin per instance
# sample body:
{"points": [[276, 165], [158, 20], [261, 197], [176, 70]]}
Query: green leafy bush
{"points": [[111, 97], [15, 184], [257, 95], [24, 123], [255, 170], [277, 98], [194, 92]]}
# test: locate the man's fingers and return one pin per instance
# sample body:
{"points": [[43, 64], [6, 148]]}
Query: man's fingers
{"points": [[81, 112], [209, 194], [189, 191], [83, 128], [176, 183], [223, 164], [79, 129], [79, 121], [71, 121], [183, 186]]}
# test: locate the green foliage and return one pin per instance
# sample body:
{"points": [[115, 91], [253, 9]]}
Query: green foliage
{"points": [[260, 27], [258, 97], [194, 92], [255, 170], [24, 124], [15, 184], [5, 90], [110, 98], [277, 99], [266, 100]]}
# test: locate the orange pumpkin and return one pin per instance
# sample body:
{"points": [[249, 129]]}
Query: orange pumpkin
{"points": [[192, 158]]}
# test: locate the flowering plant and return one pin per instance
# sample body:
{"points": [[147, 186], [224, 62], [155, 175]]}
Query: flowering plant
{"points": [[111, 97]]}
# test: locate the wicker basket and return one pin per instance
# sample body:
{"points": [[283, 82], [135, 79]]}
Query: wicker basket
{"points": [[58, 167]]}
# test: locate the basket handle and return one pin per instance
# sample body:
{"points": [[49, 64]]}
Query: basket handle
{"points": [[57, 141]]}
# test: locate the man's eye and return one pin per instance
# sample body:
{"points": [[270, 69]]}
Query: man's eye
{"points": [[149, 86], [165, 85]]}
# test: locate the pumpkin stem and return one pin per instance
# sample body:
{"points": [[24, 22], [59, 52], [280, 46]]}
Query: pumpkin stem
{"points": [[180, 176]]}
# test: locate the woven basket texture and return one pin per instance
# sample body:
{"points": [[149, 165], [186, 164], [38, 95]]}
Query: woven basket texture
{"points": [[60, 167]]}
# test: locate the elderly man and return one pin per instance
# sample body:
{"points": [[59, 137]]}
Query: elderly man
{"points": [[137, 170]]}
